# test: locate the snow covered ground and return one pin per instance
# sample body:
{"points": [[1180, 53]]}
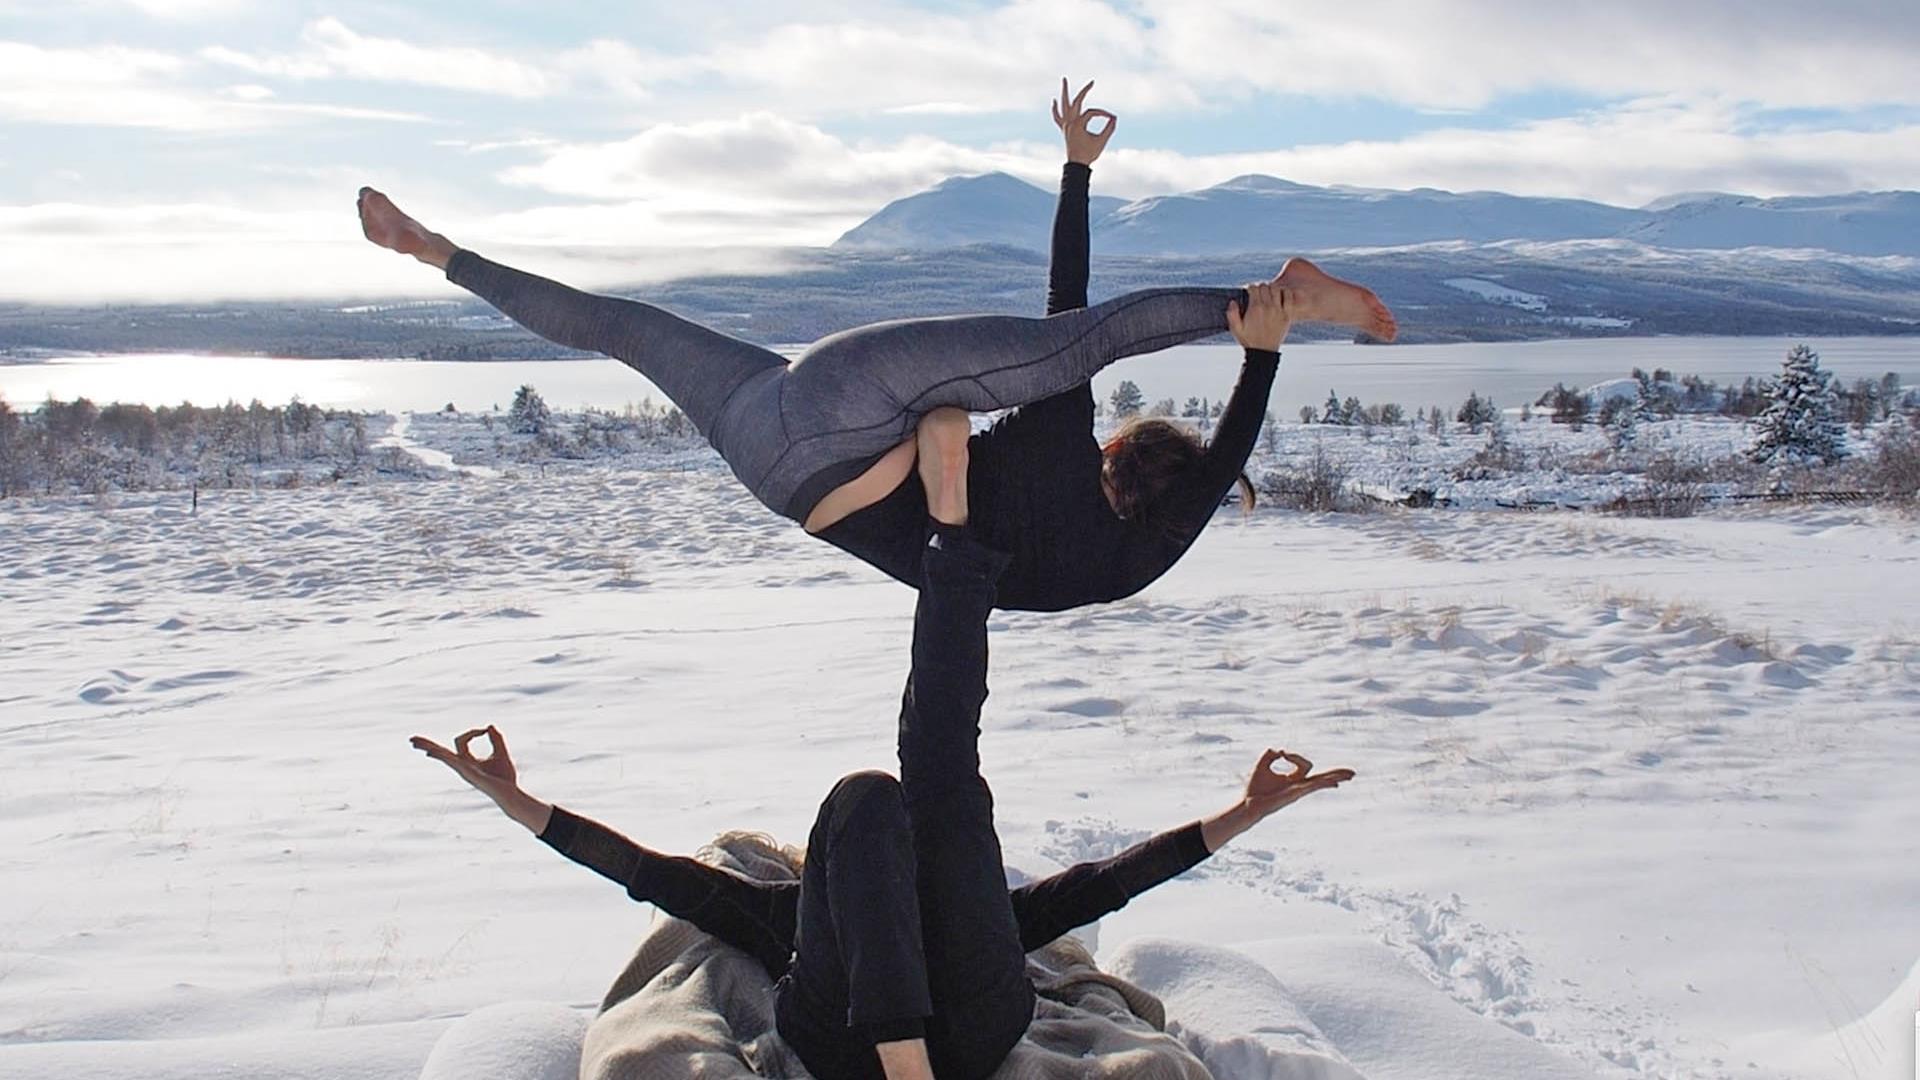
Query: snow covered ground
{"points": [[1634, 796]]}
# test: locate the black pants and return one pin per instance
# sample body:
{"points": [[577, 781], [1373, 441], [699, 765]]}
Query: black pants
{"points": [[904, 922]]}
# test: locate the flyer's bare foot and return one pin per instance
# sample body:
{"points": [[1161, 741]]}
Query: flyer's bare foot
{"points": [[386, 226], [1317, 296]]}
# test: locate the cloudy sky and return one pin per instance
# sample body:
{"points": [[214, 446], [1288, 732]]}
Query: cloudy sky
{"points": [[207, 148]]}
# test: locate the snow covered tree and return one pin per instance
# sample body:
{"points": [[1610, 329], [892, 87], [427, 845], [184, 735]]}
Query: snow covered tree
{"points": [[1193, 409], [1351, 412], [1476, 412], [1127, 400], [1646, 398], [1798, 425], [1330, 412], [1306, 414], [1163, 407], [12, 460], [1623, 425], [1570, 407], [528, 414]]}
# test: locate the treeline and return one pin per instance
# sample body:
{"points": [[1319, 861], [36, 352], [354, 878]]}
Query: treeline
{"points": [[1656, 395], [78, 447], [1659, 395]]}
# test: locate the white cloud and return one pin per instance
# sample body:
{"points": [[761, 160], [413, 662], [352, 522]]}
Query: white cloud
{"points": [[1626, 156], [334, 50], [1174, 55], [114, 86], [762, 159], [189, 9], [998, 59], [1852, 52], [73, 253]]}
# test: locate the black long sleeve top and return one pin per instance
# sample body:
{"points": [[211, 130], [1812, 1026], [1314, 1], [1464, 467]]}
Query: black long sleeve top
{"points": [[1033, 479], [758, 917]]}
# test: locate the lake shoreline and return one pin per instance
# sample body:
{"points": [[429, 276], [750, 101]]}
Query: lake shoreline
{"points": [[1414, 376]]}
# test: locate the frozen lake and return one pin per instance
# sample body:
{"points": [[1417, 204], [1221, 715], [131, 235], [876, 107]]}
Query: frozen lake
{"points": [[1412, 375]]}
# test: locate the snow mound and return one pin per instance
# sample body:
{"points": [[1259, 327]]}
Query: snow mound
{"points": [[515, 1040], [1234, 1014], [1880, 1037], [354, 1052]]}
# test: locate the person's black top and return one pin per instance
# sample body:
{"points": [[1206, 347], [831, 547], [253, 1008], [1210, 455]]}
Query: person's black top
{"points": [[1033, 479], [758, 917]]}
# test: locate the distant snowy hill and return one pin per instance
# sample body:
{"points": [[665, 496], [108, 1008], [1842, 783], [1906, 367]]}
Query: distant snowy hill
{"points": [[991, 209], [1863, 223], [1261, 213]]}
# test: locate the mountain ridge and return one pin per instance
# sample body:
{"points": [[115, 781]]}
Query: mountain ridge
{"points": [[1256, 212]]}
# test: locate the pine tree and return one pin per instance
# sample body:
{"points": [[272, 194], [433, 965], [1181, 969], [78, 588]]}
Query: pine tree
{"points": [[1351, 412], [1799, 425], [9, 448], [1623, 426], [1646, 398], [1127, 400], [1330, 412], [1476, 412], [528, 414]]}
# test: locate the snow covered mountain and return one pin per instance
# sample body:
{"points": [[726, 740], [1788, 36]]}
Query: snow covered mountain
{"points": [[991, 209], [1863, 223], [1262, 213]]}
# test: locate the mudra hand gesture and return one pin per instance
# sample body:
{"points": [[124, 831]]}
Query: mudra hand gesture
{"points": [[493, 776], [1076, 123], [1268, 791]]}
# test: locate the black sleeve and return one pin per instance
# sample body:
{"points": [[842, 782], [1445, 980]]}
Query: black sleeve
{"points": [[1067, 271], [1076, 896], [1065, 419], [755, 917], [1191, 506]]}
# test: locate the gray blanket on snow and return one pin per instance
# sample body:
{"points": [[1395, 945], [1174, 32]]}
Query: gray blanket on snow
{"points": [[690, 1007]]}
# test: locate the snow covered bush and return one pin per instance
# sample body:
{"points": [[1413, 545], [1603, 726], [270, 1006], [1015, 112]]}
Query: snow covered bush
{"points": [[1499, 457], [1896, 463], [1570, 407], [1621, 419], [1799, 425], [1320, 487]]}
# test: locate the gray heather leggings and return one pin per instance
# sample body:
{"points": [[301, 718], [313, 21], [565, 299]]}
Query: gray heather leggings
{"points": [[794, 432]]}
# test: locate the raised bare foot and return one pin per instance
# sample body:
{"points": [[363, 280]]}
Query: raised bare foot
{"points": [[385, 225], [943, 463], [1317, 296]]}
